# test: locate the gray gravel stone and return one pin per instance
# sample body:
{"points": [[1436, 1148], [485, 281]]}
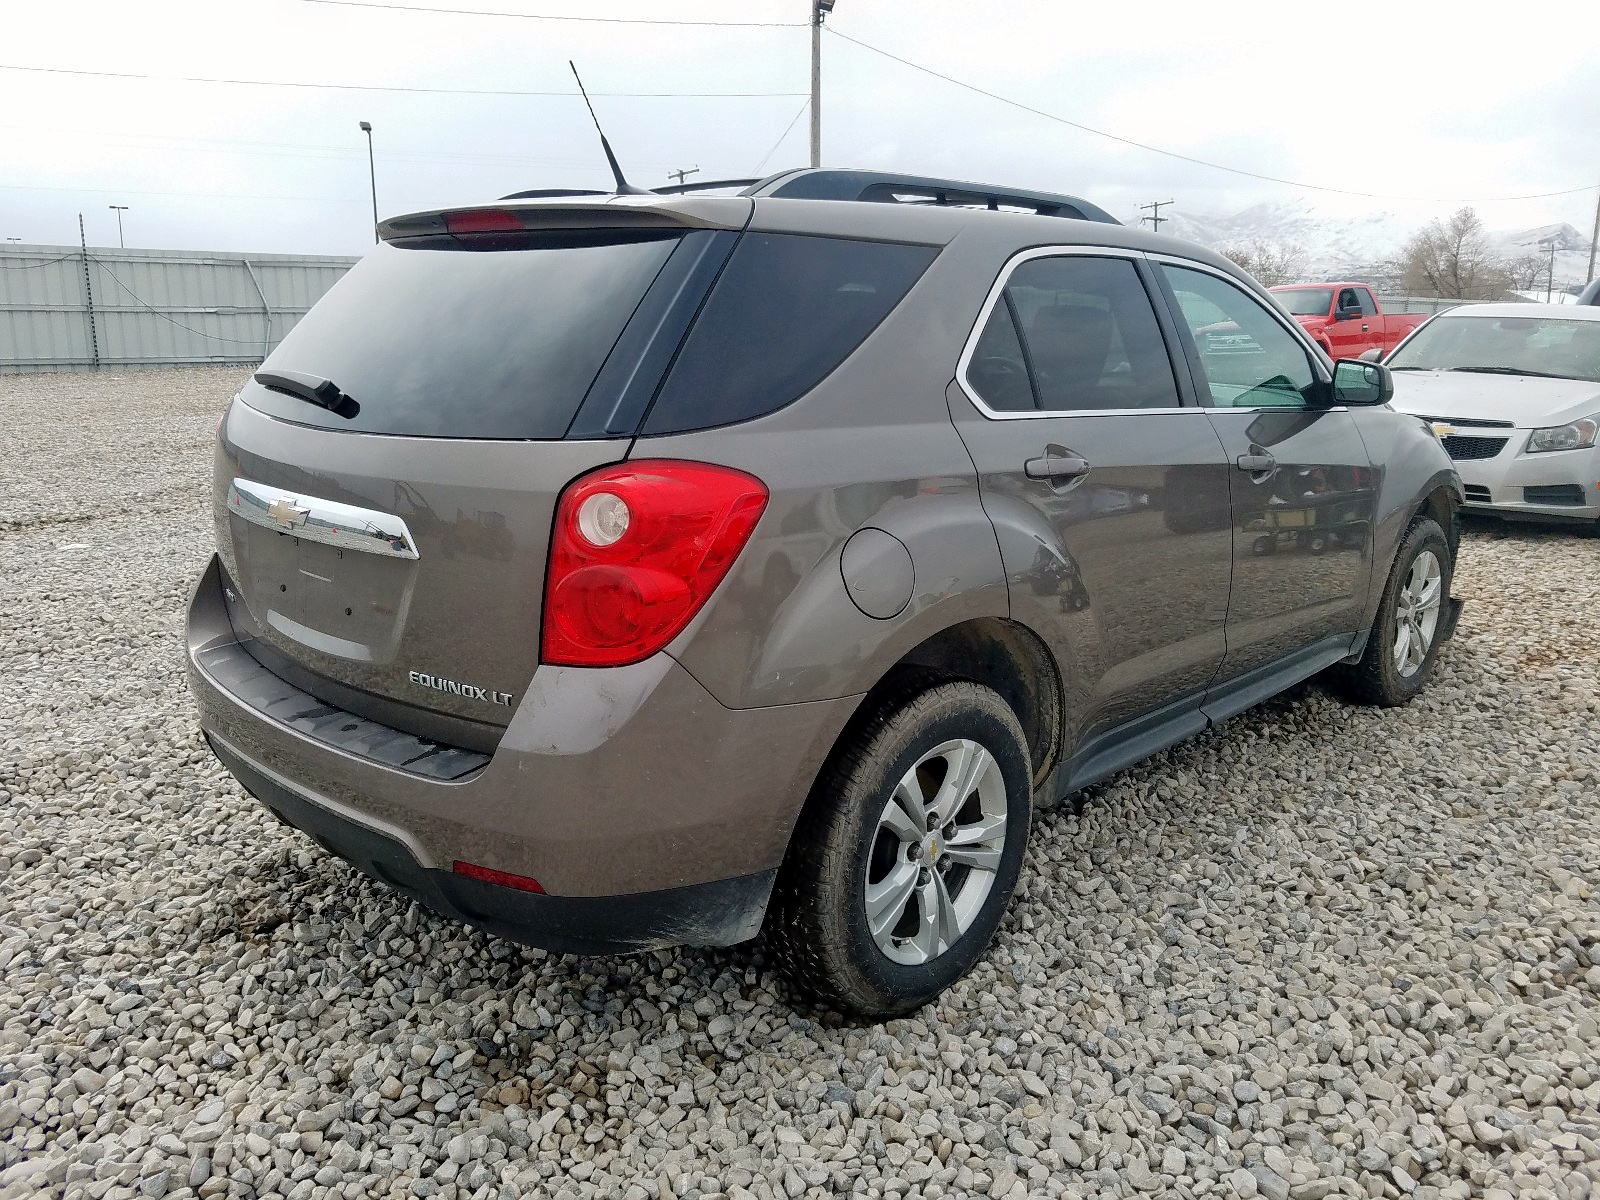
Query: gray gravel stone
{"points": [[1318, 950]]}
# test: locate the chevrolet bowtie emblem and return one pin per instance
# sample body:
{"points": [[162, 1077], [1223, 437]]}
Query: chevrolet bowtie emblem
{"points": [[286, 512], [1440, 429]]}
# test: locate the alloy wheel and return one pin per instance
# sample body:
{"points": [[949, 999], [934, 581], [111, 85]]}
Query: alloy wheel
{"points": [[936, 852], [1416, 613]]}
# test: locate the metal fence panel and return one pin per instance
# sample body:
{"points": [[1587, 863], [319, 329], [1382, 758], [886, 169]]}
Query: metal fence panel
{"points": [[62, 309], [1420, 304]]}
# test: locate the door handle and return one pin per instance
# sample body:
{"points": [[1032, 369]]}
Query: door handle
{"points": [[1256, 464], [1055, 466], [1363, 329]]}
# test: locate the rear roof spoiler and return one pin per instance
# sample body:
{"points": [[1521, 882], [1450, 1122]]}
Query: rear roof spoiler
{"points": [[878, 186]]}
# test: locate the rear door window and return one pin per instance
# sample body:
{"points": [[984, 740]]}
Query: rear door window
{"points": [[786, 311], [1089, 340], [493, 343]]}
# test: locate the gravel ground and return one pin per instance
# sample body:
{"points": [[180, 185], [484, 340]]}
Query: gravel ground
{"points": [[1321, 951]]}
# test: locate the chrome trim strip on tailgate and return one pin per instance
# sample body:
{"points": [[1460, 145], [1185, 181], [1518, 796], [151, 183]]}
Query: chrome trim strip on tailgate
{"points": [[341, 525]]}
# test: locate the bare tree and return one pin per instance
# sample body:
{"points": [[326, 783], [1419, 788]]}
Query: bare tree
{"points": [[1527, 271], [1452, 258], [1270, 262]]}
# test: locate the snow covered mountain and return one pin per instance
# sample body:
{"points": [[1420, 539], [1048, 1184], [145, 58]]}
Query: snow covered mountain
{"points": [[1343, 246], [1331, 244]]}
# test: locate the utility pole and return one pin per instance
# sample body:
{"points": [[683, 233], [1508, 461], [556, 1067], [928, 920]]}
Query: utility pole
{"points": [[819, 10], [1155, 218], [1550, 279], [1595, 236], [680, 176], [121, 208], [372, 174]]}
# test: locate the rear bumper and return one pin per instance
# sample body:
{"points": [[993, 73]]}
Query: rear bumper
{"points": [[721, 913], [649, 813]]}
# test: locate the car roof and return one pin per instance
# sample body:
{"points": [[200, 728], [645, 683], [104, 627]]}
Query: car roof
{"points": [[1554, 312], [938, 224]]}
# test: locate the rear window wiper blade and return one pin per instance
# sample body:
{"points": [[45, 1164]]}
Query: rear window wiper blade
{"points": [[313, 389]]}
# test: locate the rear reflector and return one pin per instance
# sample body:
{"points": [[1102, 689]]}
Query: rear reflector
{"points": [[482, 220], [523, 883]]}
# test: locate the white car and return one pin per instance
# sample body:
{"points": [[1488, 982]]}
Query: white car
{"points": [[1513, 392]]}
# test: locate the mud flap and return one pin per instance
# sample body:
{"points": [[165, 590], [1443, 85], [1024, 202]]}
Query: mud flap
{"points": [[1448, 619]]}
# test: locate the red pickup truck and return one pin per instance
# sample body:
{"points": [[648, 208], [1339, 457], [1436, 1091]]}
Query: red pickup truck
{"points": [[1344, 318]]}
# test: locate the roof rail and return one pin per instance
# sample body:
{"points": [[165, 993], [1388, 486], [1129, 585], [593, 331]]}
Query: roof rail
{"points": [[879, 186], [676, 189], [811, 184]]}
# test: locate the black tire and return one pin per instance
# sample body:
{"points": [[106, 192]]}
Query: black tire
{"points": [[1376, 679], [816, 927]]}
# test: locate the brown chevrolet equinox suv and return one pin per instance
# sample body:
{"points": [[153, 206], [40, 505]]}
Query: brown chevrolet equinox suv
{"points": [[614, 572]]}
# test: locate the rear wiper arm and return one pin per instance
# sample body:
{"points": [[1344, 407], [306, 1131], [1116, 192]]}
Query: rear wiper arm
{"points": [[313, 389]]}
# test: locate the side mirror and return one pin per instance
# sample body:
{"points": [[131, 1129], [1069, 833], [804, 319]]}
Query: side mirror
{"points": [[1346, 314], [1373, 355], [1362, 384]]}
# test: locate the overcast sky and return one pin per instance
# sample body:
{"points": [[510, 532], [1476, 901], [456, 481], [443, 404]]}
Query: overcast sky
{"points": [[1420, 103]]}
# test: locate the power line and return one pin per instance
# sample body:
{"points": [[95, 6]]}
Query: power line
{"points": [[38, 187], [138, 299], [1315, 187], [357, 87], [786, 129], [480, 12], [315, 151], [31, 266]]}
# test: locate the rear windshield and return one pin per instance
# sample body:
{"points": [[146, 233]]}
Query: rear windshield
{"points": [[787, 310], [1306, 302], [499, 343]]}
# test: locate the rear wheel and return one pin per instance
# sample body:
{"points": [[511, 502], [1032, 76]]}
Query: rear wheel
{"points": [[904, 860], [1404, 645]]}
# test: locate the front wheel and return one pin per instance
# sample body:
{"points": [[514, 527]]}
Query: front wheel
{"points": [[907, 853], [1404, 645]]}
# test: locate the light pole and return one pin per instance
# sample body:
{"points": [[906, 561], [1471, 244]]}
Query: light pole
{"points": [[121, 208], [372, 174], [819, 10]]}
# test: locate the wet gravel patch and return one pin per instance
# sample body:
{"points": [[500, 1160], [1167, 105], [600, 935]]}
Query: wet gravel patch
{"points": [[1321, 951]]}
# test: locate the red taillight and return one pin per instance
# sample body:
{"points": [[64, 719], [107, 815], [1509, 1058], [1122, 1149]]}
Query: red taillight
{"points": [[482, 220], [638, 548], [523, 883]]}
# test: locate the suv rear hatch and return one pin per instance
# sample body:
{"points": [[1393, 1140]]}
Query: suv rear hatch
{"points": [[385, 497]]}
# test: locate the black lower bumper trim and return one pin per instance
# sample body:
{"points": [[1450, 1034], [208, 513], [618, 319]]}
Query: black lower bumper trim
{"points": [[721, 913]]}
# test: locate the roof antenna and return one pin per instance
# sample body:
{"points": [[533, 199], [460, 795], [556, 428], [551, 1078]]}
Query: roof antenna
{"points": [[624, 188]]}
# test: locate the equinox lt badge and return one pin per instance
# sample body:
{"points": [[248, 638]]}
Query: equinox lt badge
{"points": [[470, 690]]}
